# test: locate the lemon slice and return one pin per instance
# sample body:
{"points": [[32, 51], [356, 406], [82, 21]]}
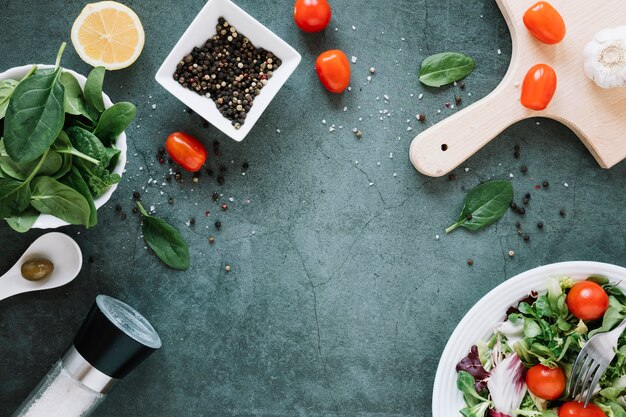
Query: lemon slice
{"points": [[108, 34]]}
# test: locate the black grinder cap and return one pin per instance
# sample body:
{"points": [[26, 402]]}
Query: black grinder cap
{"points": [[114, 338]]}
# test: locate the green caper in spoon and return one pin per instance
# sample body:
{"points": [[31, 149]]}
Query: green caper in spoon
{"points": [[37, 269]]}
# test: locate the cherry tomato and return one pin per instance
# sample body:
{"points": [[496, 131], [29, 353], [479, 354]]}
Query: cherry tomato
{"points": [[545, 23], [576, 409], [546, 383], [587, 300], [538, 87], [186, 151], [333, 69], [312, 15]]}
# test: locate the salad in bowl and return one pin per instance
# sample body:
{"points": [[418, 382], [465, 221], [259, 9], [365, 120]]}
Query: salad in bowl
{"points": [[523, 367]]}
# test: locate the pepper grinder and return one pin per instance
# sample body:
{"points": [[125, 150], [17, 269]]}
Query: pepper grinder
{"points": [[113, 339]]}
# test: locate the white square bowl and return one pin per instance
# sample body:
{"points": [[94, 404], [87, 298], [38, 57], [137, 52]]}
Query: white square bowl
{"points": [[203, 28]]}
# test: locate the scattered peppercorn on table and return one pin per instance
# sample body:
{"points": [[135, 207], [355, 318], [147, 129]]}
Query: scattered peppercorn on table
{"points": [[322, 282]]}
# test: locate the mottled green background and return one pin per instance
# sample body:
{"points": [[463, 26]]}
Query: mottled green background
{"points": [[340, 298]]}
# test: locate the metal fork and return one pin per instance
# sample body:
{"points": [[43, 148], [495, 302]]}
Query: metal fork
{"points": [[592, 361]]}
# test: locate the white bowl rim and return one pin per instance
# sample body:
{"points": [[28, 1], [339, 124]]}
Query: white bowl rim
{"points": [[259, 34], [447, 401], [46, 221]]}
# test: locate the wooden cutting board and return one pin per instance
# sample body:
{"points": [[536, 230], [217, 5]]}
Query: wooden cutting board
{"points": [[596, 115]]}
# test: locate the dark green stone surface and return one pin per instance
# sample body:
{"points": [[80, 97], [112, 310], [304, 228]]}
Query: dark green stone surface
{"points": [[340, 298]]}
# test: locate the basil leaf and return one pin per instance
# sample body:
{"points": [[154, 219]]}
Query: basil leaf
{"points": [[74, 180], [34, 117], [114, 121], [6, 91], [51, 197], [74, 101], [87, 143], [445, 68], [484, 205], [166, 242], [24, 221], [93, 93]]}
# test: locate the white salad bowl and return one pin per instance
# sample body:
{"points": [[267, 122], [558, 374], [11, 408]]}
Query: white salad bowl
{"points": [[203, 28], [479, 323], [46, 221]]}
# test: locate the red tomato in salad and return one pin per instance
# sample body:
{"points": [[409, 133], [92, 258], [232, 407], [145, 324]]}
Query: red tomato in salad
{"points": [[587, 300], [576, 409], [539, 87], [333, 69], [545, 383], [312, 15], [545, 23], [186, 151]]}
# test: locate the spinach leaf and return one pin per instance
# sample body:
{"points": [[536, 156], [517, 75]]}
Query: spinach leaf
{"points": [[484, 205], [81, 121], [74, 180], [51, 197], [93, 93], [114, 121], [98, 178], [445, 68], [74, 101], [66, 165], [167, 242], [14, 197], [35, 115], [23, 221], [111, 158], [6, 91], [63, 145], [87, 143]]}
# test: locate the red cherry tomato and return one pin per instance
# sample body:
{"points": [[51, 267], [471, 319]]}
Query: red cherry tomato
{"points": [[538, 87], [587, 300], [576, 409], [186, 151], [333, 69], [312, 15], [545, 23], [544, 382]]}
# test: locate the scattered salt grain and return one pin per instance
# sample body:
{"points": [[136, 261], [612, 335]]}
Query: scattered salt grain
{"points": [[345, 108], [353, 59], [467, 169], [323, 121], [154, 107], [353, 27], [421, 96]]}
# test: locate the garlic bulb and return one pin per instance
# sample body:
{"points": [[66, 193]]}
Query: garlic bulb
{"points": [[605, 58]]}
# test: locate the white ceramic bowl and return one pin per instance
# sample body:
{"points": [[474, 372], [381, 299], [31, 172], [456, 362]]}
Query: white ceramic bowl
{"points": [[203, 28], [46, 221], [479, 322]]}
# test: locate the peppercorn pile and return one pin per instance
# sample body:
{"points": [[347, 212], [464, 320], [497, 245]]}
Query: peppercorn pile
{"points": [[228, 69]]}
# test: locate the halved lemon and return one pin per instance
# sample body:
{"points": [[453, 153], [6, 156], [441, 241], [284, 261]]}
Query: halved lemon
{"points": [[108, 34]]}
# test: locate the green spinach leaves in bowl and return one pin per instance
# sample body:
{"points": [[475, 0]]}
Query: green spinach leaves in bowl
{"points": [[63, 147]]}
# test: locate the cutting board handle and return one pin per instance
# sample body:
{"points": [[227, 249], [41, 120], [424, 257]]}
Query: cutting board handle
{"points": [[446, 145]]}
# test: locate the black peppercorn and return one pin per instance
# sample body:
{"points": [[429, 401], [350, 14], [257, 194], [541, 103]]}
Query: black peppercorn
{"points": [[136, 195], [546, 184], [521, 210], [170, 200], [562, 213], [118, 208], [452, 177], [469, 216], [518, 225], [525, 200], [218, 224], [470, 262], [135, 210], [245, 166], [513, 206], [220, 180], [215, 196], [527, 196], [526, 238], [516, 155], [192, 221], [540, 225], [524, 169]]}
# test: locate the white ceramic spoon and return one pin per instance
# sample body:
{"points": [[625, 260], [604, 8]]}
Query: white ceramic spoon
{"points": [[59, 249]]}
